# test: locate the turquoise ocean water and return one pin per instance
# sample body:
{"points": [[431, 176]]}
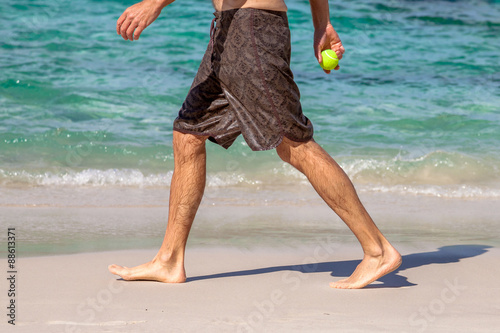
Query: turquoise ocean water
{"points": [[414, 110]]}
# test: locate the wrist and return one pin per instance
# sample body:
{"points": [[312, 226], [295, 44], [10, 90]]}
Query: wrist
{"points": [[322, 26], [160, 3]]}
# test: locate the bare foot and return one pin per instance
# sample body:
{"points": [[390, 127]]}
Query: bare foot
{"points": [[371, 269], [153, 271]]}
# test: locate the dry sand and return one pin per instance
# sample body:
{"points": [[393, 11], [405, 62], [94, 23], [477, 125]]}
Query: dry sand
{"points": [[449, 289]]}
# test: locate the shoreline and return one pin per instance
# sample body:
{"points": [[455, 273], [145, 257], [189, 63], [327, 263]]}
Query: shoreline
{"points": [[64, 221]]}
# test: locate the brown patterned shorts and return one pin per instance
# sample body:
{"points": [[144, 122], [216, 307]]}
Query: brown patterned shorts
{"points": [[244, 84]]}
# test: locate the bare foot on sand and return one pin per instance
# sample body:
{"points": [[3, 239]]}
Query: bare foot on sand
{"points": [[153, 271], [370, 269]]}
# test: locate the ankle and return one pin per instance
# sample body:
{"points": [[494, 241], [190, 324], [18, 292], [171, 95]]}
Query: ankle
{"points": [[376, 250], [171, 258], [383, 249], [373, 253]]}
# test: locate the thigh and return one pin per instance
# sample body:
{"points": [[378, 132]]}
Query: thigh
{"points": [[206, 111], [256, 77]]}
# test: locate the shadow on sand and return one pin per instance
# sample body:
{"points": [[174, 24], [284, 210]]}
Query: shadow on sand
{"points": [[443, 255]]}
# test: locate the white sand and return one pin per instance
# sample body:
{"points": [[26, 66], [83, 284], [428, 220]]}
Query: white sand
{"points": [[454, 289], [444, 284]]}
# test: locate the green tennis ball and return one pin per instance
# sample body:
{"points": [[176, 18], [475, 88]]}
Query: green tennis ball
{"points": [[330, 60]]}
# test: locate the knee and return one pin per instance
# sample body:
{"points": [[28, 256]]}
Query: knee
{"points": [[297, 154], [291, 151], [283, 151]]}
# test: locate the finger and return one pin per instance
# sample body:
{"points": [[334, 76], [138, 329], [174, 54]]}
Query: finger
{"points": [[124, 28], [339, 54], [139, 31], [326, 71], [130, 30], [120, 22], [338, 49], [337, 68]]}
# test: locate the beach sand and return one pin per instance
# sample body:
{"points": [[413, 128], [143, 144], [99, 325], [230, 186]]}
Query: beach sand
{"points": [[257, 261], [447, 289]]}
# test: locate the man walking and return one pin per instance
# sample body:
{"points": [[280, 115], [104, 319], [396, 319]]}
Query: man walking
{"points": [[244, 85]]}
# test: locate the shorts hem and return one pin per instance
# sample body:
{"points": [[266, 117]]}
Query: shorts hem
{"points": [[274, 146], [212, 138]]}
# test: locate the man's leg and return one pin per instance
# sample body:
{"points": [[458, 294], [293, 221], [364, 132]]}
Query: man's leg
{"points": [[333, 185], [186, 192]]}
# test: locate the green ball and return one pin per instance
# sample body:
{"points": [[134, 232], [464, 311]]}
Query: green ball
{"points": [[330, 60]]}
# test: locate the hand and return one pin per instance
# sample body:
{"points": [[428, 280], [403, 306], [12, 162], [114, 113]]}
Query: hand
{"points": [[327, 38], [137, 18]]}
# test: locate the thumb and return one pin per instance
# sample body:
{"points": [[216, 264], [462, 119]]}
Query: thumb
{"points": [[318, 55]]}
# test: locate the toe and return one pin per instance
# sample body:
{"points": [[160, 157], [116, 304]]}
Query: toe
{"points": [[335, 285], [113, 268], [118, 270]]}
